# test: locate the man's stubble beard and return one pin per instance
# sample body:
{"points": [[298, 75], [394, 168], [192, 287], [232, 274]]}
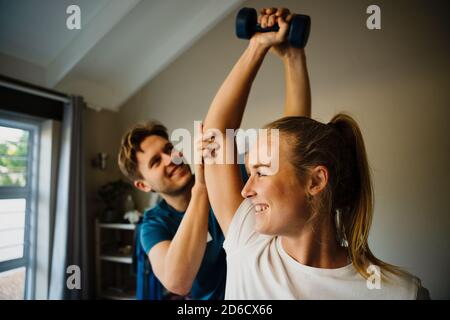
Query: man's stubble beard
{"points": [[182, 189]]}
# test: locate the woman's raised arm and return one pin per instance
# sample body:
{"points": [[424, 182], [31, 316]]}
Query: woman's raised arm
{"points": [[223, 178]]}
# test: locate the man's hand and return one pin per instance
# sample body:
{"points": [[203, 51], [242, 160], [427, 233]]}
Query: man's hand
{"points": [[198, 157], [207, 147]]}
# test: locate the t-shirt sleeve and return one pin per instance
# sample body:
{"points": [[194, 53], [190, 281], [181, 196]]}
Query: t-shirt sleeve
{"points": [[153, 232], [241, 231]]}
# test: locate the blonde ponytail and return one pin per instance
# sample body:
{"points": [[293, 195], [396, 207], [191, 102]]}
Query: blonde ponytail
{"points": [[359, 207]]}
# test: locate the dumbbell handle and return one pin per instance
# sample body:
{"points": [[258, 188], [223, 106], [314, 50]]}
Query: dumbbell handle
{"points": [[273, 28]]}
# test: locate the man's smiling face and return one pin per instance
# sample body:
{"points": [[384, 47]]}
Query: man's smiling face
{"points": [[160, 173]]}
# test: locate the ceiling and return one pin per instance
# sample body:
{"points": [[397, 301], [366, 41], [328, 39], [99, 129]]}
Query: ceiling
{"points": [[122, 44]]}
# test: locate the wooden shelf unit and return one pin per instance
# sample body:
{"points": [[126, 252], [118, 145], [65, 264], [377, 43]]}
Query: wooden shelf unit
{"points": [[114, 279]]}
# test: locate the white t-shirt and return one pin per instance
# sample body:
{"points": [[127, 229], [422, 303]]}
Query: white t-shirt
{"points": [[259, 268]]}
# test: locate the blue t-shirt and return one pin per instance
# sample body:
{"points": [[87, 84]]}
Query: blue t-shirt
{"points": [[161, 223]]}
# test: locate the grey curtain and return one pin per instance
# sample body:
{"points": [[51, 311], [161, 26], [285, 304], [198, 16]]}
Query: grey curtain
{"points": [[71, 234]]}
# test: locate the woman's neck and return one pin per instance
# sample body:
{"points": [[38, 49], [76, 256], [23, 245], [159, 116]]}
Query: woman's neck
{"points": [[316, 246]]}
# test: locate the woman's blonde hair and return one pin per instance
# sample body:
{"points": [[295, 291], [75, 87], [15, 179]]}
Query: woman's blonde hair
{"points": [[339, 146]]}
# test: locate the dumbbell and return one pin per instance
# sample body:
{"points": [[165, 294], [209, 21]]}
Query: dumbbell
{"points": [[247, 26]]}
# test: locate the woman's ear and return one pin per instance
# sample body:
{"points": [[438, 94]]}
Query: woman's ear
{"points": [[142, 185], [318, 180]]}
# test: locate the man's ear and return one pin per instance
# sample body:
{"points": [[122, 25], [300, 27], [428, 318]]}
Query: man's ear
{"points": [[142, 185], [318, 180]]}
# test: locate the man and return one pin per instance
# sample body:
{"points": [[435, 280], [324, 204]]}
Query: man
{"points": [[180, 234]]}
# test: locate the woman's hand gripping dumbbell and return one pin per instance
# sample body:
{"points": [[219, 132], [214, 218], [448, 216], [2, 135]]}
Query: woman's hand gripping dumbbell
{"points": [[295, 28]]}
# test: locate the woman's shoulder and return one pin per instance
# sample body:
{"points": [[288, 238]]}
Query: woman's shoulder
{"points": [[404, 286], [241, 233]]}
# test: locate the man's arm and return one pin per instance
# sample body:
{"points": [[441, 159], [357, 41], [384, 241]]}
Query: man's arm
{"points": [[177, 262]]}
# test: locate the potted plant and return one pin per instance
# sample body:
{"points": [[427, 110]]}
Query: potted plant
{"points": [[113, 195]]}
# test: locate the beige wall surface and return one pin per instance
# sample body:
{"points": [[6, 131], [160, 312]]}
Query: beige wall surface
{"points": [[394, 81], [101, 135]]}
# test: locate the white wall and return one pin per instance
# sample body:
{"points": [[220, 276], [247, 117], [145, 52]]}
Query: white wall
{"points": [[393, 81]]}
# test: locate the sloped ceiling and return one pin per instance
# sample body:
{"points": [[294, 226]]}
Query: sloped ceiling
{"points": [[122, 44]]}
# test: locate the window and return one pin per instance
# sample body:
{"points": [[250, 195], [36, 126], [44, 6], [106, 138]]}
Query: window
{"points": [[18, 166]]}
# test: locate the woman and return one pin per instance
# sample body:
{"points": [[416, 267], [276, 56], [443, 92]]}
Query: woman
{"points": [[301, 232]]}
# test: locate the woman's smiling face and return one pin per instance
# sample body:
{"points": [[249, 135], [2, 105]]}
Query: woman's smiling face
{"points": [[275, 190]]}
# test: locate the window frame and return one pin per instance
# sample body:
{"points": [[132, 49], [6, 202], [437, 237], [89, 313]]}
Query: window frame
{"points": [[28, 192]]}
